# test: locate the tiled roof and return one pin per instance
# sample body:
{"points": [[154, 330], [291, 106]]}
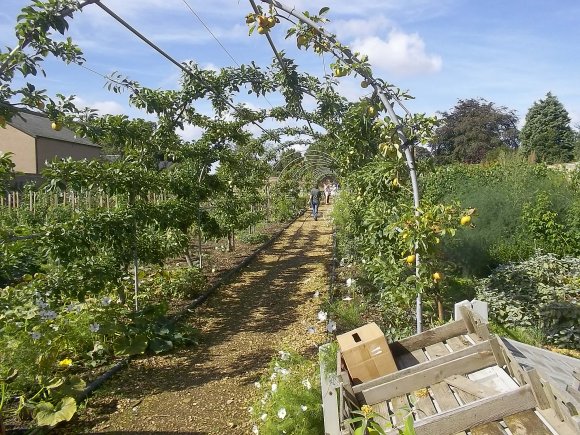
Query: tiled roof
{"points": [[38, 125]]}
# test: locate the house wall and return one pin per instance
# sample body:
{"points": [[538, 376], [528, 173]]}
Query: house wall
{"points": [[22, 146], [48, 149]]}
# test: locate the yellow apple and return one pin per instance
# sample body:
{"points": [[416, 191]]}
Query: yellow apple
{"points": [[56, 126]]}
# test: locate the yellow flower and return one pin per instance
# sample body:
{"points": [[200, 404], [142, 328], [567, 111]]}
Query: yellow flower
{"points": [[366, 410], [423, 392], [67, 362]]}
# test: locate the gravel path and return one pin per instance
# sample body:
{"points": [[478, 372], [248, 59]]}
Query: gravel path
{"points": [[207, 389]]}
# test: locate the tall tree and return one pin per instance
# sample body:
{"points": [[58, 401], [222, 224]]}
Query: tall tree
{"points": [[472, 129], [547, 132]]}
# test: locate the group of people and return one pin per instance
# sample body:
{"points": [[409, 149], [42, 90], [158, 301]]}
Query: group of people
{"points": [[316, 195]]}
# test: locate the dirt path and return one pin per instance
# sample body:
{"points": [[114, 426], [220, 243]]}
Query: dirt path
{"points": [[207, 389]]}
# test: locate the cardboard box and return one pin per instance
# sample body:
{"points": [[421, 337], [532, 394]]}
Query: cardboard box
{"points": [[366, 353]]}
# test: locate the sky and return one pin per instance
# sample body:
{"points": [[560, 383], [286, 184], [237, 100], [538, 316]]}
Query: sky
{"points": [[509, 52]]}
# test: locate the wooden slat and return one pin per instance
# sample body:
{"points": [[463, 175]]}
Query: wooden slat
{"points": [[526, 423], [481, 347], [424, 406], [478, 412], [488, 429], [382, 409], [499, 355], [429, 337], [533, 378], [468, 386], [433, 375], [442, 394], [467, 319], [330, 405], [401, 409]]}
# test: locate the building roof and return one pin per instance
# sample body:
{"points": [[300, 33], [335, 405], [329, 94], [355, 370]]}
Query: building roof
{"points": [[38, 125]]}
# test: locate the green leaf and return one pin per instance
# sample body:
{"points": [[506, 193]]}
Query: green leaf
{"points": [[46, 414], [125, 346], [159, 345], [409, 428], [71, 387]]}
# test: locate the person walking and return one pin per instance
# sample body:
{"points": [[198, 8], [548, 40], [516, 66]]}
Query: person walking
{"points": [[315, 195], [327, 194]]}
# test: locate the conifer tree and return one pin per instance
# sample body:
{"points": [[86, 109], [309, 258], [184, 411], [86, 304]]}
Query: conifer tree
{"points": [[547, 132]]}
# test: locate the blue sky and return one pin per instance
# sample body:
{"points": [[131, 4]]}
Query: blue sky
{"points": [[510, 52]]}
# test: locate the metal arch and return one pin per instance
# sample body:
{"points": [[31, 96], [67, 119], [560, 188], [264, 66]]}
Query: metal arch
{"points": [[385, 97]]}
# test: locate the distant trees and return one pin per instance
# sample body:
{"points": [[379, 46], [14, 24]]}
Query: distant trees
{"points": [[547, 132], [474, 128]]}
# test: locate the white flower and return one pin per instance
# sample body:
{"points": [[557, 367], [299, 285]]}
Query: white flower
{"points": [[48, 315], [282, 413], [306, 384], [273, 376], [322, 315], [274, 388], [331, 327], [94, 327], [364, 261], [213, 270], [264, 416], [303, 408], [349, 282], [35, 335], [250, 409], [284, 356], [255, 430], [311, 330], [106, 301], [284, 372], [257, 384], [316, 294]]}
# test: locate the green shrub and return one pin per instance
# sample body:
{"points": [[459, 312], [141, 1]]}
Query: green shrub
{"points": [[290, 397], [255, 238], [520, 207], [348, 314], [542, 292], [180, 282]]}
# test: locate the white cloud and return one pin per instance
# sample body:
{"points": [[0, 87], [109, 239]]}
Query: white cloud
{"points": [[360, 28], [402, 53], [190, 132], [109, 107]]}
